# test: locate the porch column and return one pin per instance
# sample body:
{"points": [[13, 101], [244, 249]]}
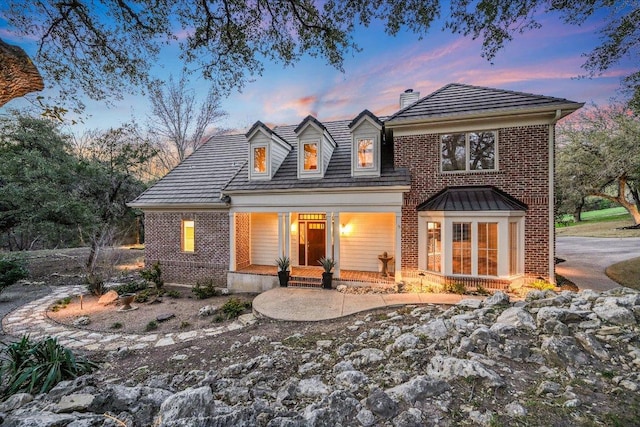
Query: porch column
{"points": [[398, 254], [287, 234], [232, 241], [280, 234], [328, 247], [336, 244]]}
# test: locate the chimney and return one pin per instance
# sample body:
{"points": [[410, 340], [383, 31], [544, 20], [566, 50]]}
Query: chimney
{"points": [[408, 97]]}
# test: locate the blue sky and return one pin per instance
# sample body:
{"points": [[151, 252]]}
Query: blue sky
{"points": [[546, 61]]}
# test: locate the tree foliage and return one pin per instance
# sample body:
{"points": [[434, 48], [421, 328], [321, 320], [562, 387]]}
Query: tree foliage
{"points": [[179, 122], [599, 155], [51, 195], [230, 40]]}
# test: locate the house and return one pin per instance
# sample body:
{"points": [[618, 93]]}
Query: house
{"points": [[455, 187]]}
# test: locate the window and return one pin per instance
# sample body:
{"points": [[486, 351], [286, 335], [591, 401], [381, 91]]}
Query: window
{"points": [[310, 156], [461, 256], [188, 236], [434, 245], [470, 151], [365, 153], [514, 268], [260, 159], [488, 248]]}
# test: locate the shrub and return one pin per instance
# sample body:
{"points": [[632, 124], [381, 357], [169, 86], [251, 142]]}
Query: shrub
{"points": [[234, 307], [116, 325], [153, 274], [172, 293], [205, 290], [12, 269], [131, 287], [95, 284], [153, 325], [542, 285], [37, 366], [456, 288]]}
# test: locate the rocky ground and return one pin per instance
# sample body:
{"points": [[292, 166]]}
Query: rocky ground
{"points": [[567, 359]]}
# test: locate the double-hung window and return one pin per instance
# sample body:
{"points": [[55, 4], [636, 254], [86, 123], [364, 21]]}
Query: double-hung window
{"points": [[188, 235], [310, 156], [260, 160], [470, 151]]}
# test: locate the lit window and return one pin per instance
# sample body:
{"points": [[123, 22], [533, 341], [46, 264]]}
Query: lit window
{"points": [[488, 248], [188, 236], [461, 255], [310, 156], [468, 151], [260, 159], [365, 153], [434, 245]]}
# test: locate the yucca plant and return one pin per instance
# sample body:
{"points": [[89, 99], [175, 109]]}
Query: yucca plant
{"points": [[37, 366]]}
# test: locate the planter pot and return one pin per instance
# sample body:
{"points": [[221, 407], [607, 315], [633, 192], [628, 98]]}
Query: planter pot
{"points": [[283, 277], [326, 280]]}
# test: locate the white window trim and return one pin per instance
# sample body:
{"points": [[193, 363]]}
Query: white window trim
{"points": [[253, 175], [313, 173], [467, 153], [503, 218]]}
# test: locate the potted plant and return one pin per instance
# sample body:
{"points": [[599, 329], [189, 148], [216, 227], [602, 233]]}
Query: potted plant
{"points": [[327, 276], [283, 270]]}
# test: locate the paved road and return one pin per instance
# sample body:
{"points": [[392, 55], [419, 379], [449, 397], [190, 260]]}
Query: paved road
{"points": [[588, 257]]}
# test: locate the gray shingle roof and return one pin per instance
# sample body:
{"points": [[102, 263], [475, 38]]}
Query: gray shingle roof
{"points": [[457, 99], [221, 163], [472, 198], [199, 178], [338, 174]]}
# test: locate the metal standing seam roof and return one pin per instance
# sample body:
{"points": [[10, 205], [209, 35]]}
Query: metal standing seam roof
{"points": [[456, 99], [472, 198]]}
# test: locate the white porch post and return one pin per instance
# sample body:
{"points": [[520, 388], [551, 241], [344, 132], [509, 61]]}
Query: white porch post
{"points": [[328, 251], [232, 241], [287, 235], [398, 254], [336, 244], [280, 234]]}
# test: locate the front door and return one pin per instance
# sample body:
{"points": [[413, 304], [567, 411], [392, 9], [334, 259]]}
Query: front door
{"points": [[312, 242]]}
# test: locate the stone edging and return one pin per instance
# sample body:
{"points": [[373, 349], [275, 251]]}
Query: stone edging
{"points": [[32, 319]]}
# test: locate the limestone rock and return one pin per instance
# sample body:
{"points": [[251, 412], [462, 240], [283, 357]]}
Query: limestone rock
{"points": [[517, 317], [75, 402], [108, 298], [381, 404], [449, 368], [189, 403], [82, 321], [498, 298], [164, 317]]}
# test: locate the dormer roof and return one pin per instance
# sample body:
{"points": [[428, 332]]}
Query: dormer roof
{"points": [[363, 114], [258, 125], [308, 120]]}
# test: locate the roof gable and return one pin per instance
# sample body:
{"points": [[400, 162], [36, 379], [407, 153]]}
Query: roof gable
{"points": [[456, 99]]}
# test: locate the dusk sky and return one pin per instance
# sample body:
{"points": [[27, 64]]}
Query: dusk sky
{"points": [[545, 61]]}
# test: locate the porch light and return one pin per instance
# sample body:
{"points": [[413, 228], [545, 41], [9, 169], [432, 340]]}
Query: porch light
{"points": [[345, 229], [294, 228]]}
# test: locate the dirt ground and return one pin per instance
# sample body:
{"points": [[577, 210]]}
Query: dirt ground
{"points": [[112, 317]]}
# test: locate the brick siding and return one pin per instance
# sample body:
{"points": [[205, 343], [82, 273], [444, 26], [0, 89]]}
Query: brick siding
{"points": [[210, 260], [523, 163]]}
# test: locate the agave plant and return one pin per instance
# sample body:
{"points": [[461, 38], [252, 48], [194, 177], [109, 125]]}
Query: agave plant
{"points": [[327, 264], [37, 366]]}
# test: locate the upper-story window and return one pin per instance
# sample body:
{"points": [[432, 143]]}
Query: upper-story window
{"points": [[365, 153], [260, 160], [310, 156], [471, 151]]}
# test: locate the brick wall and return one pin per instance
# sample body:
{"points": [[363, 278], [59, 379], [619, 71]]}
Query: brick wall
{"points": [[210, 260], [523, 173], [243, 247]]}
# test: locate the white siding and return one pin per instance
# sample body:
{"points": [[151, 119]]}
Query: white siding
{"points": [[264, 238], [278, 153], [327, 151], [369, 235]]}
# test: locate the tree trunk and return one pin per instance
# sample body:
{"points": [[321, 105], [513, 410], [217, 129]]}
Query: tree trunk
{"points": [[577, 215], [621, 198]]}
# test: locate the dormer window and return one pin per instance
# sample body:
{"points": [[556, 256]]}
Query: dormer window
{"points": [[259, 160], [365, 153], [267, 151], [366, 135], [310, 156], [315, 147]]}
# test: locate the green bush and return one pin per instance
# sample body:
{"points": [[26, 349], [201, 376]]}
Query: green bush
{"points": [[37, 366], [456, 288], [205, 290], [234, 307], [153, 325], [153, 274], [131, 287], [95, 284], [542, 285], [12, 269]]}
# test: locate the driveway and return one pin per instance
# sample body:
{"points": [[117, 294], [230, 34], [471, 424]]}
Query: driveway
{"points": [[588, 257]]}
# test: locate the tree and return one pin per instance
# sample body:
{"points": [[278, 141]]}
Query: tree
{"points": [[599, 155], [178, 120], [39, 201], [17, 73], [105, 47], [109, 169]]}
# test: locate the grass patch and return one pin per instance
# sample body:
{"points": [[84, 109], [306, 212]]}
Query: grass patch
{"points": [[627, 273]]}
